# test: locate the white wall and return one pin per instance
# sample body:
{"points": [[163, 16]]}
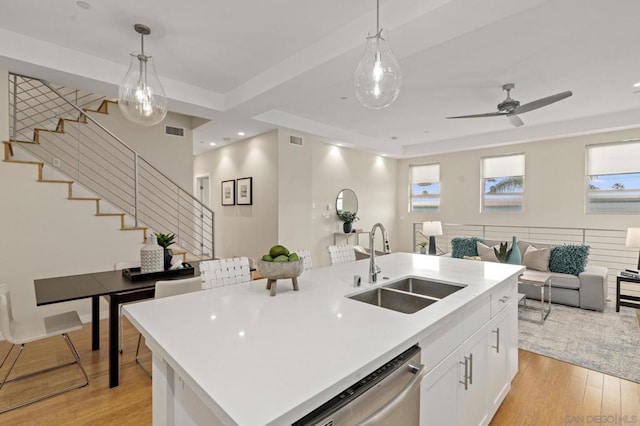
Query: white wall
{"points": [[172, 155], [554, 187], [294, 193], [244, 230]]}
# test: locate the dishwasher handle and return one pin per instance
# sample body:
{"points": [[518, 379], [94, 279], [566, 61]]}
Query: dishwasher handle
{"points": [[419, 371]]}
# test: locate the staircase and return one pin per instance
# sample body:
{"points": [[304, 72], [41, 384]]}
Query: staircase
{"points": [[52, 128]]}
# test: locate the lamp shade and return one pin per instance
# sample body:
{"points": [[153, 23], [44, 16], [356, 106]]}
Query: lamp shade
{"points": [[633, 237], [432, 228]]}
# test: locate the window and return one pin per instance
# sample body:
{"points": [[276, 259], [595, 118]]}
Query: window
{"points": [[613, 178], [424, 188], [503, 183]]}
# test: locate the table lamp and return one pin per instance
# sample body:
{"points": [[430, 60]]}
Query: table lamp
{"points": [[633, 240], [431, 229]]}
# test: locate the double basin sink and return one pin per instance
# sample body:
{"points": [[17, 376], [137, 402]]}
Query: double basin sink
{"points": [[408, 295]]}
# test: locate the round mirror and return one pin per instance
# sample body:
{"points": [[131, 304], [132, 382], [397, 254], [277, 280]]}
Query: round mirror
{"points": [[347, 201]]}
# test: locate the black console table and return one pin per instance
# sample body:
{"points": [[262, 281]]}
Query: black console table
{"points": [[626, 299]]}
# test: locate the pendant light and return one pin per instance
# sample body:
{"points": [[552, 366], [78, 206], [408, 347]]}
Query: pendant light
{"points": [[141, 97], [378, 77]]}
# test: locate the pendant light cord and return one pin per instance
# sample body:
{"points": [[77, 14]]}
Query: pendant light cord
{"points": [[378, 18]]}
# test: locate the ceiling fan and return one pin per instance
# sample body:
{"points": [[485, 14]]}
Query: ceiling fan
{"points": [[511, 107]]}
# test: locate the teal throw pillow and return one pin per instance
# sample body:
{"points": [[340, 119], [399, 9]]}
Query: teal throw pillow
{"points": [[466, 246], [569, 259]]}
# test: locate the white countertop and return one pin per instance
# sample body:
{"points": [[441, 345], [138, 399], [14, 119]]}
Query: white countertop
{"points": [[258, 360]]}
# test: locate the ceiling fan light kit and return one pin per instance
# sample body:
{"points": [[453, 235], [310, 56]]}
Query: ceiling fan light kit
{"points": [[141, 97], [511, 108], [377, 76]]}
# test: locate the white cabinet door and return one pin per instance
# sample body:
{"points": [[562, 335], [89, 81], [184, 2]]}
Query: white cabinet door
{"points": [[473, 380], [498, 359], [439, 394]]}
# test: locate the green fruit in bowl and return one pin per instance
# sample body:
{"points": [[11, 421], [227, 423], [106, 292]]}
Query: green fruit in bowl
{"points": [[267, 258], [278, 250], [281, 258], [293, 257]]}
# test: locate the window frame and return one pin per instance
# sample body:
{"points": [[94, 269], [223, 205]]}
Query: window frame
{"points": [[587, 177], [411, 183], [483, 193]]}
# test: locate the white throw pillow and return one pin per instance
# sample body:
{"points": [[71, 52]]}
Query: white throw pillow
{"points": [[486, 253], [537, 259]]}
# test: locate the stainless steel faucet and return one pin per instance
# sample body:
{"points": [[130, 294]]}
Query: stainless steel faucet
{"points": [[374, 269]]}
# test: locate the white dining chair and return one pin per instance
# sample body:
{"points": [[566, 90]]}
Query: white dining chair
{"points": [[224, 272], [341, 254], [31, 330], [305, 255], [169, 288]]}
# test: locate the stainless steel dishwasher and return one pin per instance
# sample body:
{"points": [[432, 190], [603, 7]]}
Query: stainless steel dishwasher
{"points": [[389, 396]]}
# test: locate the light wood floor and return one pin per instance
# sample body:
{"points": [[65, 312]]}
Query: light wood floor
{"points": [[544, 392]]}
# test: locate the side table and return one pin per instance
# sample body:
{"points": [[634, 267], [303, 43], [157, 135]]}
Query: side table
{"points": [[539, 279], [626, 299]]}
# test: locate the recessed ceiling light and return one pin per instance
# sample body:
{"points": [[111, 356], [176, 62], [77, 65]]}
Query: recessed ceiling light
{"points": [[637, 84], [83, 5], [338, 144], [212, 143], [395, 138], [343, 98], [240, 133], [226, 139], [383, 155]]}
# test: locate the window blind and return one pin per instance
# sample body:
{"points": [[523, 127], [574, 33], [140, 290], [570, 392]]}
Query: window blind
{"points": [[427, 173], [614, 158], [506, 165]]}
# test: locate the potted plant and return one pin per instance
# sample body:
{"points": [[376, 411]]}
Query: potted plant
{"points": [[348, 218], [503, 254], [164, 241], [423, 246]]}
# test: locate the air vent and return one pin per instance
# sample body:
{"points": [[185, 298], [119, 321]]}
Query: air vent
{"points": [[174, 131], [295, 140]]}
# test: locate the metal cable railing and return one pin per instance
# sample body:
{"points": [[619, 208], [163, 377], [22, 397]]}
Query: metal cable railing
{"points": [[99, 161], [607, 246]]}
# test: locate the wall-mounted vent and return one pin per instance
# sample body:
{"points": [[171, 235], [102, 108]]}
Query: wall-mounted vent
{"points": [[295, 140], [174, 131]]}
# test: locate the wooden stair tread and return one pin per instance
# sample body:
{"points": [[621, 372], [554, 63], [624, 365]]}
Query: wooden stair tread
{"points": [[83, 198], [110, 214], [21, 141], [134, 228], [39, 163], [47, 130], [55, 181]]}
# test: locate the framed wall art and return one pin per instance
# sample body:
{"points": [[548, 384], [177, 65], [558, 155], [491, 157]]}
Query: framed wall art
{"points": [[245, 191], [228, 192]]}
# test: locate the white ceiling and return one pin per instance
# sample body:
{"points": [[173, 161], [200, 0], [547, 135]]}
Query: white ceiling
{"points": [[254, 65]]}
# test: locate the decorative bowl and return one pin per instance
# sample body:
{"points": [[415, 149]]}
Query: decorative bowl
{"points": [[280, 270]]}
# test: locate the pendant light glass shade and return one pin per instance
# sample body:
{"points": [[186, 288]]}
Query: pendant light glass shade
{"points": [[378, 77], [141, 97]]}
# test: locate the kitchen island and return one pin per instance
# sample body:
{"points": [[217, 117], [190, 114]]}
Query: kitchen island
{"points": [[234, 355]]}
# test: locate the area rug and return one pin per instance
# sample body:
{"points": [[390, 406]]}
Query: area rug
{"points": [[608, 342]]}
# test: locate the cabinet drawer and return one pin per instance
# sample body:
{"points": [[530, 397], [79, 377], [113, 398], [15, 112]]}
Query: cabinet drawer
{"points": [[443, 340], [475, 315], [501, 296]]}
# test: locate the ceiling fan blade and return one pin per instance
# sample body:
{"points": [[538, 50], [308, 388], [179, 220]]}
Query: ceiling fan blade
{"points": [[515, 120], [488, 114], [542, 102]]}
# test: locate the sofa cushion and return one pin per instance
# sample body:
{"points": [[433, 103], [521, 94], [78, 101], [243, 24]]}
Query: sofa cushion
{"points": [[486, 253], [523, 245], [569, 281], [461, 247], [569, 259], [537, 259]]}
